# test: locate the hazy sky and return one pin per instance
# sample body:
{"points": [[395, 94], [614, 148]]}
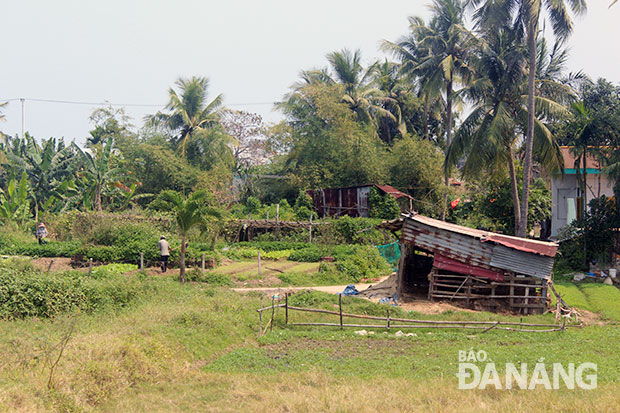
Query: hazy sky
{"points": [[132, 51]]}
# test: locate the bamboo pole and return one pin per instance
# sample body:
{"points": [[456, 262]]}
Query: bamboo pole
{"points": [[259, 266], [260, 317], [286, 308], [426, 326], [141, 261], [340, 308], [202, 262], [407, 320]]}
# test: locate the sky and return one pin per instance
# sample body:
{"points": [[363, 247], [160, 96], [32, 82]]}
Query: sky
{"points": [[132, 51]]}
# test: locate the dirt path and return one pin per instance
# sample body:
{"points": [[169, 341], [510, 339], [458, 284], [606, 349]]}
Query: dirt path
{"points": [[332, 289]]}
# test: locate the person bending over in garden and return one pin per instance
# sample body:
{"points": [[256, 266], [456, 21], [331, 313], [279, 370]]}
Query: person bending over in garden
{"points": [[41, 233], [164, 253]]}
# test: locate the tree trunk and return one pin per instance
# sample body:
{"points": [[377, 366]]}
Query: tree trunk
{"points": [[182, 260], [532, 29], [98, 199], [448, 142], [426, 115], [515, 191], [584, 208]]}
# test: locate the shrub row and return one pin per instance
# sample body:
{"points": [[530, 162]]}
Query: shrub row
{"points": [[25, 292]]}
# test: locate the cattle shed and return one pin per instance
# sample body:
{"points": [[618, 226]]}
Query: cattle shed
{"points": [[353, 200], [470, 267]]}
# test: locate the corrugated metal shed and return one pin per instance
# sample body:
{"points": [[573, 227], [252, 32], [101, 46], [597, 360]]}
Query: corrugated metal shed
{"points": [[480, 248], [352, 200]]}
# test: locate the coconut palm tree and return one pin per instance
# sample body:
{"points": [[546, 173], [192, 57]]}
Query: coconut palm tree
{"points": [[410, 53], [368, 102], [442, 59], [189, 212], [189, 111], [490, 135], [524, 16]]}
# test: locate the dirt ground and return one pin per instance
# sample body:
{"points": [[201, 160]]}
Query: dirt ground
{"points": [[431, 307], [57, 264]]}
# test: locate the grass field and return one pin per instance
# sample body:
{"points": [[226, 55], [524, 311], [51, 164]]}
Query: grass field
{"points": [[195, 347]]}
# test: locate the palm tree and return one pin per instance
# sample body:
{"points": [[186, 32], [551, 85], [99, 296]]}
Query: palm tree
{"points": [[189, 212], [387, 78], [368, 102], [524, 16], [189, 111], [488, 137], [438, 54]]}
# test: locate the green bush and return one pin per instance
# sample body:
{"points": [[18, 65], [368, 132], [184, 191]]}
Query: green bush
{"points": [[382, 206], [313, 253], [29, 293], [364, 263], [112, 270]]}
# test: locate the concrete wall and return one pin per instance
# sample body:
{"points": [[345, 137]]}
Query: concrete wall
{"points": [[565, 191]]}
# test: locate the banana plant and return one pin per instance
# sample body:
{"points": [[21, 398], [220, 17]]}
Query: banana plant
{"points": [[15, 201]]}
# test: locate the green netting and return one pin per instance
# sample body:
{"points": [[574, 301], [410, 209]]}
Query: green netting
{"points": [[391, 253]]}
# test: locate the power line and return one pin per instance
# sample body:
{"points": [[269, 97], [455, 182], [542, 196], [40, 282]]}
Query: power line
{"points": [[75, 102]]}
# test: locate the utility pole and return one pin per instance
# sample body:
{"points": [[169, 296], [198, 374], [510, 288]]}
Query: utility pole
{"points": [[23, 115]]}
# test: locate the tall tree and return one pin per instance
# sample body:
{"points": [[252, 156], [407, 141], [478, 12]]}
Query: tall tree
{"points": [[443, 60], [189, 111], [524, 17], [489, 137]]}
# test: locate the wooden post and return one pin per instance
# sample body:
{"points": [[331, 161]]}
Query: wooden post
{"points": [[387, 310], [142, 261], [90, 266], [278, 221], [511, 300], [267, 214], [310, 228], [468, 290], [49, 268], [273, 312], [259, 266], [286, 308], [340, 309], [202, 262]]}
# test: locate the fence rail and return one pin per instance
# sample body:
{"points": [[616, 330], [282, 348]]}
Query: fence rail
{"points": [[404, 322]]}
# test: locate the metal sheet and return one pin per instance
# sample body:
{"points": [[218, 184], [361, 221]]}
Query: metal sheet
{"points": [[520, 262], [444, 263]]}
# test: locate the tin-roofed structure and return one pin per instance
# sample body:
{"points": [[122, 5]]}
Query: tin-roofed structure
{"points": [[455, 263]]}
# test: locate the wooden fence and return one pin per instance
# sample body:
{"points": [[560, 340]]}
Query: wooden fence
{"points": [[389, 322]]}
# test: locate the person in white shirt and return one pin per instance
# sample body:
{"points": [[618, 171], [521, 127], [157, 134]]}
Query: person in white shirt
{"points": [[164, 253]]}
